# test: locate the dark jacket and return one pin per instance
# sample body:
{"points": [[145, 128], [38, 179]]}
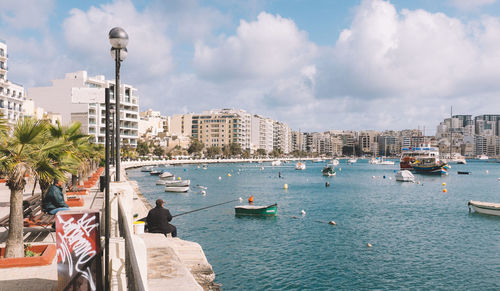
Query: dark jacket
{"points": [[53, 199], [158, 219]]}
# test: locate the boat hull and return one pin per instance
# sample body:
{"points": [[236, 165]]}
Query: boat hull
{"points": [[179, 189], [271, 210], [431, 170], [485, 207]]}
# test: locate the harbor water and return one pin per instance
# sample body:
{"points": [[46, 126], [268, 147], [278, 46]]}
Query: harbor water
{"points": [[420, 236]]}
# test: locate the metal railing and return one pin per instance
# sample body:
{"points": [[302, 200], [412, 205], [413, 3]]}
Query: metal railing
{"points": [[134, 278]]}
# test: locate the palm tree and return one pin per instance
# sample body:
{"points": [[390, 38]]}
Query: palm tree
{"points": [[27, 151]]}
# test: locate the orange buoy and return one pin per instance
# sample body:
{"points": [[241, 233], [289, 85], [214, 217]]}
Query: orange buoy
{"points": [[444, 190], [250, 199]]}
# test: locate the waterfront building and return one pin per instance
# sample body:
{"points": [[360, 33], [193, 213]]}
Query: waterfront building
{"points": [[367, 141], [182, 125], [262, 133], [282, 139], [222, 127], [12, 95], [298, 141], [153, 124], [79, 97]]}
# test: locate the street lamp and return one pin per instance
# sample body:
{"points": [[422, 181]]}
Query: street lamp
{"points": [[112, 129], [118, 38]]}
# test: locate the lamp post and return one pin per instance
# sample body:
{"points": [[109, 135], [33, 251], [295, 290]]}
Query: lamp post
{"points": [[118, 38], [111, 122]]}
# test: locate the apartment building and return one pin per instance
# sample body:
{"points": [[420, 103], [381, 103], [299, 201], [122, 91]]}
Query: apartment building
{"points": [[182, 125], [12, 95], [79, 97], [261, 135], [153, 124], [282, 137]]}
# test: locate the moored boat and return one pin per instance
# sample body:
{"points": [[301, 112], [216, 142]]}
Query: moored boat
{"points": [[485, 207], [300, 166], [166, 176], [276, 163], [411, 154], [430, 165], [270, 210], [352, 160], [405, 176], [155, 172], [146, 169], [328, 171], [169, 188], [172, 183], [335, 162]]}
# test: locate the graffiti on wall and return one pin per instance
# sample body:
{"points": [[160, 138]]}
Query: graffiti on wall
{"points": [[78, 250]]}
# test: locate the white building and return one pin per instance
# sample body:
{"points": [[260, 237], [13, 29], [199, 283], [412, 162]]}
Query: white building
{"points": [[79, 97], [152, 124], [261, 135], [12, 95]]}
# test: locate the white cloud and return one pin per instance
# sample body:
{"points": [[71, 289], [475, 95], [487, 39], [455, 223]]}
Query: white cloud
{"points": [[22, 14], [470, 4], [269, 47], [149, 47]]}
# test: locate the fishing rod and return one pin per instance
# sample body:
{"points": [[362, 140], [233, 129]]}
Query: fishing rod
{"points": [[205, 207]]}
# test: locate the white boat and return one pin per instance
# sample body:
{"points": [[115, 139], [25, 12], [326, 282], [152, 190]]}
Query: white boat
{"points": [[171, 183], [176, 188], [352, 160], [147, 169], [384, 162], [166, 176], [482, 157], [335, 162], [374, 161], [317, 160], [457, 158], [300, 166], [405, 176], [275, 163], [485, 207]]}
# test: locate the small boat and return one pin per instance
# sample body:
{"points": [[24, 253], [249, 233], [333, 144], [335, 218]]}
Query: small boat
{"points": [[317, 160], [271, 210], [146, 169], [430, 165], [275, 163], [155, 173], [485, 207], [335, 162], [328, 171], [169, 188], [166, 176], [300, 166], [482, 157], [463, 173], [374, 161], [405, 176], [171, 183], [352, 160]]}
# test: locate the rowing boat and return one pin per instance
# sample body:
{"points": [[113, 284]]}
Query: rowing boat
{"points": [[485, 207], [271, 210]]}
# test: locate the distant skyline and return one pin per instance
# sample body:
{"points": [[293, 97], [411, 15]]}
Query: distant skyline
{"points": [[316, 65]]}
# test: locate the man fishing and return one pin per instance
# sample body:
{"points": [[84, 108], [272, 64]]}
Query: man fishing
{"points": [[158, 220]]}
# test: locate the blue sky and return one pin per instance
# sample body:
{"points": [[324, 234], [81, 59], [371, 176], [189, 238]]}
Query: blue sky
{"points": [[317, 65]]}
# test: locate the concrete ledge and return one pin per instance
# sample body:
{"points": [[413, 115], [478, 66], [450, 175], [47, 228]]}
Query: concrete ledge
{"points": [[175, 264]]}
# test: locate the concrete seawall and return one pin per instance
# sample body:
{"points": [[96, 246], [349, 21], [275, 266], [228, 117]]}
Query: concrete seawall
{"points": [[170, 263]]}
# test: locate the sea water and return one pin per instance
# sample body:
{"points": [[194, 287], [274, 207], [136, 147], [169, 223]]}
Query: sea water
{"points": [[420, 236]]}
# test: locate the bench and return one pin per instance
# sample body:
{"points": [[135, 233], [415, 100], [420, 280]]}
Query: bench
{"points": [[32, 214]]}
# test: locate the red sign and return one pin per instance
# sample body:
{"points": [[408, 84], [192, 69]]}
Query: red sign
{"points": [[78, 250]]}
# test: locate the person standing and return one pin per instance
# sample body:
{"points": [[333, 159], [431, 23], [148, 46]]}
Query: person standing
{"points": [[158, 220], [53, 201]]}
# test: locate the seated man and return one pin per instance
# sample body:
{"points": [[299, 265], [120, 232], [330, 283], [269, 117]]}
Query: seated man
{"points": [[158, 220], [54, 199]]}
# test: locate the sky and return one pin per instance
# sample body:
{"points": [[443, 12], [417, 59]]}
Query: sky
{"points": [[316, 65]]}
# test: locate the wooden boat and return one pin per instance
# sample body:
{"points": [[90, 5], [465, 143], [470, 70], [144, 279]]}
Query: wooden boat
{"points": [[169, 188], [405, 176], [328, 171], [430, 165], [271, 210], [485, 207]]}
